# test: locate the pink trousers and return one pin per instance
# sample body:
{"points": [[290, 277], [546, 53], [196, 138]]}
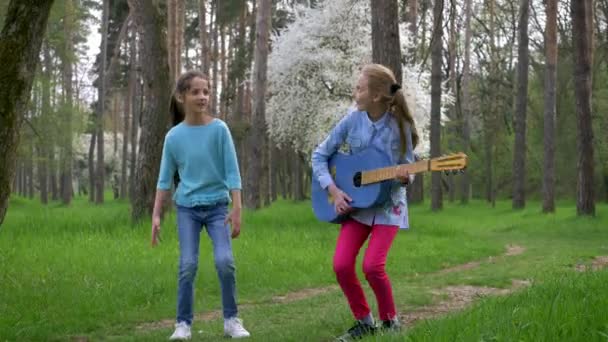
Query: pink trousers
{"points": [[352, 236]]}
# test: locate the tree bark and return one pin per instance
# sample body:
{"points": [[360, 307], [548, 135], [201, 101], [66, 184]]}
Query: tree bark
{"points": [[436, 191], [66, 148], [223, 62], [30, 171], [101, 106], [135, 90], [453, 73], [126, 112], [171, 42], [154, 121], [521, 104], [214, 61], [43, 164], [204, 36], [413, 26], [585, 204], [20, 41], [386, 47], [466, 100], [550, 103], [179, 35], [256, 137], [92, 170]]}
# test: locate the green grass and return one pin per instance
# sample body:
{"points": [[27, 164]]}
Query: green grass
{"points": [[85, 271], [571, 307]]}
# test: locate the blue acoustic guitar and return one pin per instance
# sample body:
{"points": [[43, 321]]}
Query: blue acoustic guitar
{"points": [[366, 177]]}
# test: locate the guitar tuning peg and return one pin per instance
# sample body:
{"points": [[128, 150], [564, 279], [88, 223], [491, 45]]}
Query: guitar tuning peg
{"points": [[461, 171], [446, 172], [454, 172]]}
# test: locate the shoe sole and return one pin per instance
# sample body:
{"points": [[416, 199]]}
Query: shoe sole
{"points": [[237, 337]]}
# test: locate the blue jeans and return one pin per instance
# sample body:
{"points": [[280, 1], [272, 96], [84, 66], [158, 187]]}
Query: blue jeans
{"points": [[189, 225]]}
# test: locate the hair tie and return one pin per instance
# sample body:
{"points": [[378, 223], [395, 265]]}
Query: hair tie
{"points": [[394, 88]]}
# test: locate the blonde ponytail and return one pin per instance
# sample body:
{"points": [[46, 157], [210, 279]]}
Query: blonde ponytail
{"points": [[381, 80]]}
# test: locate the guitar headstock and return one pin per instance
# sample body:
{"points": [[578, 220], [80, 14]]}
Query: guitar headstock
{"points": [[452, 162]]}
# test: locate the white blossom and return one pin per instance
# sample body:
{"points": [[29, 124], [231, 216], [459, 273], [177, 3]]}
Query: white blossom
{"points": [[312, 69]]}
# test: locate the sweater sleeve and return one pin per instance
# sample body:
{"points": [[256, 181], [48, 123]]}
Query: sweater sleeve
{"points": [[167, 166], [231, 164]]}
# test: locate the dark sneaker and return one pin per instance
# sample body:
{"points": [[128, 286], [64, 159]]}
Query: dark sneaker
{"points": [[392, 325], [358, 331]]}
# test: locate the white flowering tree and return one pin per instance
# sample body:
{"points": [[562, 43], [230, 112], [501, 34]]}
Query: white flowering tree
{"points": [[312, 69]]}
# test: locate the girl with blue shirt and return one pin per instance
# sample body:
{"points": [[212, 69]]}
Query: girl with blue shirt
{"points": [[200, 149], [381, 119]]}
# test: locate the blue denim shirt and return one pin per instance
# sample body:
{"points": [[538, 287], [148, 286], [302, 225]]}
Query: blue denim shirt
{"points": [[354, 133]]}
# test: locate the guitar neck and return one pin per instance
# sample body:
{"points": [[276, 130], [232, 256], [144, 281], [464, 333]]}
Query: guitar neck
{"points": [[379, 175]]}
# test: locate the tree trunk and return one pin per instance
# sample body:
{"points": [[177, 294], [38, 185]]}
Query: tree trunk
{"points": [[20, 177], [298, 180], [135, 91], [424, 6], [466, 100], [490, 118], [240, 120], [386, 48], [30, 171], [256, 137], [488, 155], [223, 74], [550, 102], [126, 112], [175, 36], [100, 173], [214, 61], [171, 42], [53, 172], [204, 36], [91, 155], [114, 115], [274, 171], [436, 197], [285, 174], [43, 159], [42, 174], [180, 18], [154, 122], [521, 104], [66, 148], [412, 20], [453, 73], [20, 41], [585, 204]]}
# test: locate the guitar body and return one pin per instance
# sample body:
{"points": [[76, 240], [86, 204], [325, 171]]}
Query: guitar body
{"points": [[345, 170]]}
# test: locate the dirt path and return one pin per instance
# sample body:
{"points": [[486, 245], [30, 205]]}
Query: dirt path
{"points": [[598, 263], [458, 296], [217, 314]]}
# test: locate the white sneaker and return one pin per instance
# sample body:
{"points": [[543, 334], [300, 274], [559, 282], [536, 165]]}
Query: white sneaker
{"points": [[233, 327], [182, 332]]}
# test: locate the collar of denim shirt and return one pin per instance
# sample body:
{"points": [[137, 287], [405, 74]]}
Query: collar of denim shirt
{"points": [[377, 125]]}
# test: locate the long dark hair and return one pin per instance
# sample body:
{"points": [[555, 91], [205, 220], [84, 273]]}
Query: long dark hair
{"points": [[175, 108]]}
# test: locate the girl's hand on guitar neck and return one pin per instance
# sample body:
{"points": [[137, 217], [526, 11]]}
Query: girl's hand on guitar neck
{"points": [[402, 175], [341, 199]]}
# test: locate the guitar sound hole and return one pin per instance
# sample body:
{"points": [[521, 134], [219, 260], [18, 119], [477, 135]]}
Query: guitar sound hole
{"points": [[357, 179]]}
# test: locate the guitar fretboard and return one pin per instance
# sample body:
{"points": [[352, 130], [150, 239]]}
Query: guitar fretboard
{"points": [[379, 175]]}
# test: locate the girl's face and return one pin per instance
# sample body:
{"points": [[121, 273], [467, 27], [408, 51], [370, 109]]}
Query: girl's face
{"points": [[362, 95], [196, 99]]}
